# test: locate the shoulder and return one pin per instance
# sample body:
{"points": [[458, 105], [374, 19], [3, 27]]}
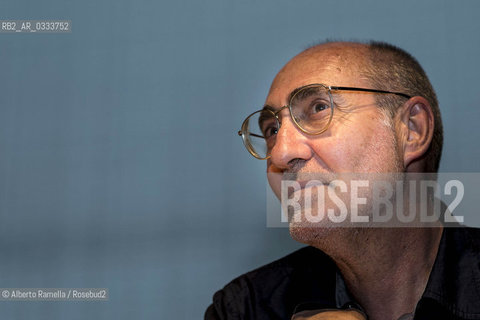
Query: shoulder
{"points": [[464, 238], [473, 235], [276, 287], [455, 278]]}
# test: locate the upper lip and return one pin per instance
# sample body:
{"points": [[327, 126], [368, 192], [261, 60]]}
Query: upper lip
{"points": [[303, 185], [313, 182]]}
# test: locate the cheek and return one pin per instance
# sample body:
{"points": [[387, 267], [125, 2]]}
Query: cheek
{"points": [[360, 150], [344, 151], [378, 153]]}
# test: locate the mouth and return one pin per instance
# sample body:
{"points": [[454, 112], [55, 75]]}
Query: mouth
{"points": [[298, 186]]}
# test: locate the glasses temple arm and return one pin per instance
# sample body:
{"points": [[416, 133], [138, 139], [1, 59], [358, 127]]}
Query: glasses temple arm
{"points": [[251, 134], [371, 90]]}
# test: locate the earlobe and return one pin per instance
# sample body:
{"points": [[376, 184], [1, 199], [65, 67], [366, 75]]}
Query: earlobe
{"points": [[418, 116]]}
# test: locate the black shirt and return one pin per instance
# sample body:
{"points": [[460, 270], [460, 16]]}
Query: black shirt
{"points": [[309, 279]]}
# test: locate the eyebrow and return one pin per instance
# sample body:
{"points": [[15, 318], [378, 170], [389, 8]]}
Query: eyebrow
{"points": [[290, 96], [268, 107], [337, 88], [294, 92]]}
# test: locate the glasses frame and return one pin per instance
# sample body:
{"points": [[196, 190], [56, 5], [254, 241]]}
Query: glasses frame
{"points": [[242, 131]]}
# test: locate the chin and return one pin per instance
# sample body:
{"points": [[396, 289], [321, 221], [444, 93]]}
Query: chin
{"points": [[310, 234]]}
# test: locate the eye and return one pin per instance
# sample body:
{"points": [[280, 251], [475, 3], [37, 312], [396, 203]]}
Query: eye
{"points": [[270, 131], [319, 107]]}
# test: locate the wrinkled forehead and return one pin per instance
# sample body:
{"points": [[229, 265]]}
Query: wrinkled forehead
{"points": [[331, 66]]}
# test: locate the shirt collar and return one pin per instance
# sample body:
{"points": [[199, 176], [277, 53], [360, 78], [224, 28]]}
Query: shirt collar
{"points": [[454, 281]]}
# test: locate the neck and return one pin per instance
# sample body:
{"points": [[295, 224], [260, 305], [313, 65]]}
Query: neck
{"points": [[386, 269]]}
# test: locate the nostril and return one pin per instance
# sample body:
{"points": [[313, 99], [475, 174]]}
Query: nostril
{"points": [[296, 164]]}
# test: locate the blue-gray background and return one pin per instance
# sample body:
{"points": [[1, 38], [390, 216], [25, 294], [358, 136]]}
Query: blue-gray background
{"points": [[120, 166]]}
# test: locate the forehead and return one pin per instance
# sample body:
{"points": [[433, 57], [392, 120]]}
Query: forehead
{"points": [[335, 65]]}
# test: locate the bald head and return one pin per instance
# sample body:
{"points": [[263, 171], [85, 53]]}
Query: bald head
{"points": [[343, 53], [342, 58]]}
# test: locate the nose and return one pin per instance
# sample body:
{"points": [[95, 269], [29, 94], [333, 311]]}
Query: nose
{"points": [[291, 144]]}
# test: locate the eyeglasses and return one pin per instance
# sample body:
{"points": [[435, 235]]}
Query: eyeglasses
{"points": [[311, 110]]}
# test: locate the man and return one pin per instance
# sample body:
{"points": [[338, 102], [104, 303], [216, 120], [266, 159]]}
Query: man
{"points": [[354, 108]]}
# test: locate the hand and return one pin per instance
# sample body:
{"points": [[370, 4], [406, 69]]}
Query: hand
{"points": [[329, 315]]}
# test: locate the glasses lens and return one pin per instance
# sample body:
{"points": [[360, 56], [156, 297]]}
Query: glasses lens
{"points": [[258, 132], [312, 108]]}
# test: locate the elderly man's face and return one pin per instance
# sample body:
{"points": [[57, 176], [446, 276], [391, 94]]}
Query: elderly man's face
{"points": [[360, 138]]}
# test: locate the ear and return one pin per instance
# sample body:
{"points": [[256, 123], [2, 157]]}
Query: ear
{"points": [[416, 132]]}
